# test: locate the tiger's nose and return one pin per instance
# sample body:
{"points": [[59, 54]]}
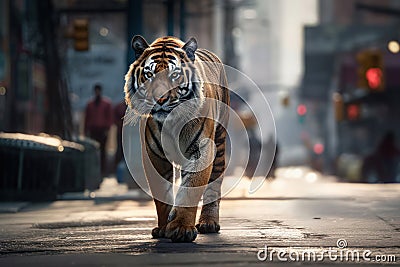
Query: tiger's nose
{"points": [[161, 100]]}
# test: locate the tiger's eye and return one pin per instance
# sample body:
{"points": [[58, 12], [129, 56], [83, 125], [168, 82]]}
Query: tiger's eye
{"points": [[149, 75], [174, 75]]}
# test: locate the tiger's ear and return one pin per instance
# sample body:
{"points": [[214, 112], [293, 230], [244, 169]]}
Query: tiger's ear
{"points": [[138, 44], [190, 47]]}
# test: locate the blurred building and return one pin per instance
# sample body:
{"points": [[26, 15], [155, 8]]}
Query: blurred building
{"points": [[350, 84], [347, 12], [269, 45], [53, 52], [111, 25], [32, 87]]}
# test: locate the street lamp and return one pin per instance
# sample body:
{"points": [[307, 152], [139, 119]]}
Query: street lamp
{"points": [[394, 47]]}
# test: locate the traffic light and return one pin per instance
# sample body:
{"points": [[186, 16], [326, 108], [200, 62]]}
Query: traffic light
{"points": [[374, 78], [370, 70], [301, 113], [338, 106], [318, 148], [285, 100], [81, 34], [353, 112]]}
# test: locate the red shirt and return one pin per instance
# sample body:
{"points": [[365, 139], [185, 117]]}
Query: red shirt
{"points": [[98, 115]]}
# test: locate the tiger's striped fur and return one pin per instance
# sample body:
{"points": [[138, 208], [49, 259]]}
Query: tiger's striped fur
{"points": [[164, 75]]}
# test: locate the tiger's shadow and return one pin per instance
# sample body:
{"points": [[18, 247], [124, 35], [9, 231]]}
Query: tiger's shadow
{"points": [[203, 243]]}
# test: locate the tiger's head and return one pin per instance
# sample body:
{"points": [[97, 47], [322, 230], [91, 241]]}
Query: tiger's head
{"points": [[162, 77]]}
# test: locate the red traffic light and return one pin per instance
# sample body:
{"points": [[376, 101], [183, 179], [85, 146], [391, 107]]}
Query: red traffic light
{"points": [[353, 112], [371, 74], [374, 78], [318, 148], [301, 110]]}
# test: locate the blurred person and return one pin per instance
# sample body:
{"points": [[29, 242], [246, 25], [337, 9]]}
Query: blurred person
{"points": [[384, 160], [98, 120], [119, 113]]}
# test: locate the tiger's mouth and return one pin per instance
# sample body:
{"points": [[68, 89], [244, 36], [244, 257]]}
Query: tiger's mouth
{"points": [[161, 112]]}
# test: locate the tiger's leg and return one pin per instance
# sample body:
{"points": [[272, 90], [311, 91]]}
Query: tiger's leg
{"points": [[181, 222], [157, 167], [209, 217], [163, 210], [164, 192]]}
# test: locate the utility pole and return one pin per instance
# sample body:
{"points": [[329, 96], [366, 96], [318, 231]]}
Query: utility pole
{"points": [[134, 24], [58, 118], [230, 58], [170, 17], [182, 20]]}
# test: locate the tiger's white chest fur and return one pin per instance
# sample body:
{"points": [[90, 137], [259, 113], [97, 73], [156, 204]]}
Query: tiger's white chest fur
{"points": [[175, 139]]}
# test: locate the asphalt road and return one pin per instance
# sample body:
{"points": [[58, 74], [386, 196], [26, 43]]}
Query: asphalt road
{"points": [[296, 215]]}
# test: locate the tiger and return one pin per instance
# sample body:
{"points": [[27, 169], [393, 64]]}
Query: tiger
{"points": [[165, 75]]}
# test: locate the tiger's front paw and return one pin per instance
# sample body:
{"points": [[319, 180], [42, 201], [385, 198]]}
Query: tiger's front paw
{"points": [[208, 226], [158, 232], [180, 233]]}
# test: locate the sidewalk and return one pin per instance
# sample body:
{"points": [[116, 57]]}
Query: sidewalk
{"points": [[298, 212]]}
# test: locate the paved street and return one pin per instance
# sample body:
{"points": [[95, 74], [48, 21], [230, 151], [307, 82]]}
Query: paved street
{"points": [[299, 212]]}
